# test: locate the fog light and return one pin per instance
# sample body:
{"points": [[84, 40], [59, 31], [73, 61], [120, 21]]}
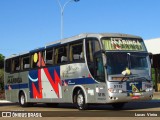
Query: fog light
{"points": [[120, 91], [147, 90], [114, 90]]}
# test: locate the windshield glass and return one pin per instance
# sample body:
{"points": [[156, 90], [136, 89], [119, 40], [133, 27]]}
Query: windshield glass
{"points": [[119, 61], [138, 62], [129, 44]]}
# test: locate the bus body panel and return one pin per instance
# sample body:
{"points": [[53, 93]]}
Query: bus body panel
{"points": [[38, 88]]}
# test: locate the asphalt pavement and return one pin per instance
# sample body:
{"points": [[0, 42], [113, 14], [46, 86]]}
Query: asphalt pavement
{"points": [[156, 95]]}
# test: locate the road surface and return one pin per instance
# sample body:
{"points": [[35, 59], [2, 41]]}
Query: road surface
{"points": [[147, 110]]}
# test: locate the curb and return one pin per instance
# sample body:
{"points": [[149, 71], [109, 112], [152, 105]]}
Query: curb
{"points": [[5, 101]]}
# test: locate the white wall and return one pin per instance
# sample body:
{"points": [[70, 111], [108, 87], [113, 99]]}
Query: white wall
{"points": [[153, 45]]}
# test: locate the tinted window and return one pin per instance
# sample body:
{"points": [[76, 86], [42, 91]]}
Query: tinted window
{"points": [[49, 57], [60, 55], [16, 64], [92, 46], [26, 62], [8, 64], [76, 52], [138, 62]]}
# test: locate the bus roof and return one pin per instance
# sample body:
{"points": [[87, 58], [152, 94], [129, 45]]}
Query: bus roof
{"points": [[74, 38], [85, 35]]}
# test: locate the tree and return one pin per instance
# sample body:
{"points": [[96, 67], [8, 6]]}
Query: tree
{"points": [[1, 79], [1, 71], [1, 61]]}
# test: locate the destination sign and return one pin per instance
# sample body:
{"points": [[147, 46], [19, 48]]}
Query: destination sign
{"points": [[123, 44]]}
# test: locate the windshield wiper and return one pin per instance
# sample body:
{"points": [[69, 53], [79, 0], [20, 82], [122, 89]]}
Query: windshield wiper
{"points": [[124, 78]]}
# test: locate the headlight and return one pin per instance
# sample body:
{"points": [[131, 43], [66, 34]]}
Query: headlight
{"points": [[149, 89], [120, 91], [115, 90]]}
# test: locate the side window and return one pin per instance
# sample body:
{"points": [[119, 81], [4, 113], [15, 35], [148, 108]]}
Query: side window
{"points": [[92, 46], [8, 64], [16, 64], [76, 52], [37, 59], [26, 62], [49, 57], [60, 55]]}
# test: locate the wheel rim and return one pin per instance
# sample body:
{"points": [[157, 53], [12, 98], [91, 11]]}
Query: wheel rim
{"points": [[22, 99], [80, 100]]}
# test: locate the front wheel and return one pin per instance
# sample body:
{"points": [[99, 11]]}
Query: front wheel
{"points": [[81, 101]]}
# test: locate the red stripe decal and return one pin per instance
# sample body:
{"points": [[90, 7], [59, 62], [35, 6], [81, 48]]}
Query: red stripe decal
{"points": [[54, 82]]}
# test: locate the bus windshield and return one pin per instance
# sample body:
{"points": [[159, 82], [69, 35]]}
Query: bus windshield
{"points": [[119, 61]]}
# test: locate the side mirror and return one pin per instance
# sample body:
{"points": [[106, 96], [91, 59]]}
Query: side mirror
{"points": [[151, 58]]}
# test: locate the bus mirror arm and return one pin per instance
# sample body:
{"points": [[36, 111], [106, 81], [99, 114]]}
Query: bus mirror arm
{"points": [[104, 59]]}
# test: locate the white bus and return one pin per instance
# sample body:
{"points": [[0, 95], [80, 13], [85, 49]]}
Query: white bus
{"points": [[84, 69]]}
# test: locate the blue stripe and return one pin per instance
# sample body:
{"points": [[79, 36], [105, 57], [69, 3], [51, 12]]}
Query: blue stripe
{"points": [[50, 46], [37, 50], [79, 81], [17, 86]]}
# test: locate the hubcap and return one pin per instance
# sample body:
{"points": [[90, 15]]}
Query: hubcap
{"points": [[22, 99], [80, 100]]}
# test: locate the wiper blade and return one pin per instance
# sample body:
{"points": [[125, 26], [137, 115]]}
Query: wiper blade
{"points": [[124, 78]]}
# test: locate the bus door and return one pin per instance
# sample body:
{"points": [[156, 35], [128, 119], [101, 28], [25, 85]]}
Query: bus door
{"points": [[99, 75]]}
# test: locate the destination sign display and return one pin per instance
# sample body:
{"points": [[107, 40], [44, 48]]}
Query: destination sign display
{"points": [[123, 44]]}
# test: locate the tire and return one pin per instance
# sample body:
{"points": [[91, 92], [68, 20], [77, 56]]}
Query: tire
{"points": [[118, 106], [81, 101], [22, 100]]}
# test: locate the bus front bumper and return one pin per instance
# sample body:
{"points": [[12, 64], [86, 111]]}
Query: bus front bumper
{"points": [[126, 97]]}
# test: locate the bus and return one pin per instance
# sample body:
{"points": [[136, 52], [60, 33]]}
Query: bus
{"points": [[90, 68]]}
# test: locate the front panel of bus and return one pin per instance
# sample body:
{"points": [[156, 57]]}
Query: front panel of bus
{"points": [[127, 68]]}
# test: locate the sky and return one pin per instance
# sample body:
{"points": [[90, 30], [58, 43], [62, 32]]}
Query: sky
{"points": [[29, 24]]}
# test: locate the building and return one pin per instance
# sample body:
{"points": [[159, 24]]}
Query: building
{"points": [[153, 47]]}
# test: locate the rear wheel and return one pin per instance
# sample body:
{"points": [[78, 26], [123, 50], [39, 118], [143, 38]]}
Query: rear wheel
{"points": [[81, 101], [118, 105], [22, 100]]}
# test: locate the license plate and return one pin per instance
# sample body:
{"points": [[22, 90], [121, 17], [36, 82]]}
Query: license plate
{"points": [[135, 97], [137, 94]]}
